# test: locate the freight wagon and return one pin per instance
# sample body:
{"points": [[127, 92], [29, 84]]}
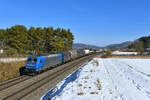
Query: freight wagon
{"points": [[66, 55], [80, 53], [87, 51], [73, 54]]}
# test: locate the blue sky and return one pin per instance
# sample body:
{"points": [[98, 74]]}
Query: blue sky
{"points": [[97, 22]]}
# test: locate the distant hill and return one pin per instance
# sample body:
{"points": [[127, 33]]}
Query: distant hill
{"points": [[120, 45], [128, 44], [145, 40], [82, 46], [112, 46]]}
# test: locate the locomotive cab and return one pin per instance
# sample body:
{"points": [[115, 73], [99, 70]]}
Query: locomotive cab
{"points": [[34, 64]]}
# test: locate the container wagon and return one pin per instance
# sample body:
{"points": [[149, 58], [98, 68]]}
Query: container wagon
{"points": [[66, 55], [73, 54], [87, 51], [80, 53]]}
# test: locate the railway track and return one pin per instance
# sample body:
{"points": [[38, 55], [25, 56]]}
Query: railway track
{"points": [[27, 89], [14, 81]]}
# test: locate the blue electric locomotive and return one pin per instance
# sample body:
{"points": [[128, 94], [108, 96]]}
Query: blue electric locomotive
{"points": [[37, 64]]}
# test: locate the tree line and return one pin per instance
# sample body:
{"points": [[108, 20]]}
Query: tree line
{"points": [[18, 40], [141, 45]]}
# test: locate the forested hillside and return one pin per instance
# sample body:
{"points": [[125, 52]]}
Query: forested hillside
{"points": [[141, 45], [18, 40]]}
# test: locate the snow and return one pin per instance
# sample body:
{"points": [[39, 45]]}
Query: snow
{"points": [[124, 53], [141, 65], [106, 79]]}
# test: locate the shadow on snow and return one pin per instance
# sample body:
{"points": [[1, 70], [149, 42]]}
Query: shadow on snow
{"points": [[56, 91]]}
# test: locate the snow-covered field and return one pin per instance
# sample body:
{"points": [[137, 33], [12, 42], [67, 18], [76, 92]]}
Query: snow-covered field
{"points": [[141, 65], [106, 79], [124, 53]]}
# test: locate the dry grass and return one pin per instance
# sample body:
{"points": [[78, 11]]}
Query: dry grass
{"points": [[80, 93], [131, 67], [79, 85], [92, 70], [93, 92], [10, 70], [95, 63], [104, 56], [85, 81], [86, 77], [98, 85]]}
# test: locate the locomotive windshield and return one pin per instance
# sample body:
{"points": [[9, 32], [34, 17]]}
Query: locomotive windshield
{"points": [[32, 60]]}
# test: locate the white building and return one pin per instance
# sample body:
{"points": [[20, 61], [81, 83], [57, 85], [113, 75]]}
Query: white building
{"points": [[1, 51]]}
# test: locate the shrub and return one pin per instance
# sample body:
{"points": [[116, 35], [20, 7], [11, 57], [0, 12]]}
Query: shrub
{"points": [[80, 93], [108, 53]]}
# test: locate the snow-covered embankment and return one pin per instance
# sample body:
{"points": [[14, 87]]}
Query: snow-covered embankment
{"points": [[104, 79]]}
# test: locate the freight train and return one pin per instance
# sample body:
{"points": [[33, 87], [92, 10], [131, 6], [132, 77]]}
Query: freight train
{"points": [[37, 64]]}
